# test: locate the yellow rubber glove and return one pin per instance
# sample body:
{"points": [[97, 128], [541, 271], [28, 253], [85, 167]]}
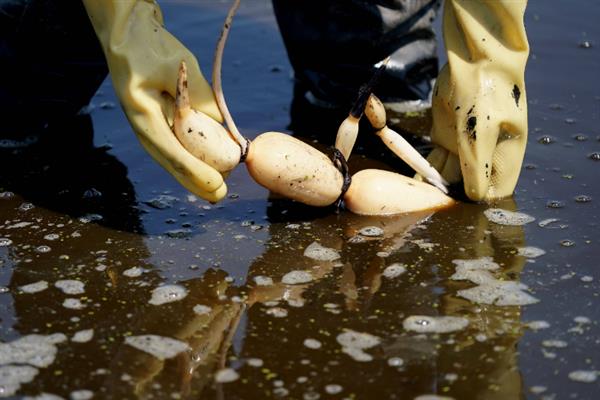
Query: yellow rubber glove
{"points": [[144, 58], [479, 103]]}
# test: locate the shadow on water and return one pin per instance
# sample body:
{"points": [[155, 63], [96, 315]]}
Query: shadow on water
{"points": [[265, 315]]}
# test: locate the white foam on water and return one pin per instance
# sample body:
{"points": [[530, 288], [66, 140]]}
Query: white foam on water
{"points": [[333, 389], [34, 287], [394, 270], [158, 346], [70, 286], [318, 252], [531, 252], [505, 217], [73, 304], [262, 280], [226, 375], [82, 394], [255, 362], [13, 376], [277, 312], [354, 343], [371, 231], [583, 376], [433, 397], [537, 325], [489, 290], [83, 336], [312, 343], [167, 294], [44, 396], [559, 344], [201, 309], [133, 272], [428, 324], [500, 293], [297, 277], [395, 362], [36, 350]]}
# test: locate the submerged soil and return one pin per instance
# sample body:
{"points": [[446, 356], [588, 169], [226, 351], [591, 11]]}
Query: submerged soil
{"points": [[141, 290]]}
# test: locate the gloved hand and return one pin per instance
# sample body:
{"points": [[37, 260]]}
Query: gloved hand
{"points": [[479, 103], [144, 60]]}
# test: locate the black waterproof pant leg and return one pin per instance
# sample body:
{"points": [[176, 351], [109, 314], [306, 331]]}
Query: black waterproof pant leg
{"points": [[51, 63], [333, 46]]}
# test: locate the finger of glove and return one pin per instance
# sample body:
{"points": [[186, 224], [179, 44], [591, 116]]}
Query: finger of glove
{"points": [[157, 138], [159, 58]]}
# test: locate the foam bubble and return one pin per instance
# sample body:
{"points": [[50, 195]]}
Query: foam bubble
{"points": [[201, 309], [394, 270], [37, 350], [583, 376], [333, 389], [312, 343], [73, 304], [226, 375], [81, 394], [354, 343], [371, 231], [505, 217], [44, 396], [13, 376], [34, 287], [83, 336], [277, 312], [158, 346], [167, 294], [70, 286], [262, 280], [133, 272], [531, 252], [427, 324], [297, 277], [318, 252]]}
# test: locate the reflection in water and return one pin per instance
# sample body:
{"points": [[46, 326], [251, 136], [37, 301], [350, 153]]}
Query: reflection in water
{"points": [[282, 337]]}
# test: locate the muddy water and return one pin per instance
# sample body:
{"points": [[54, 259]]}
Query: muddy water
{"points": [[143, 291]]}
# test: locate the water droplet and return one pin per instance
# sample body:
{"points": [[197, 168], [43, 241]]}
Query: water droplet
{"points": [[4, 289], [422, 322], [594, 156], [555, 204], [530, 166], [545, 140], [567, 243], [583, 198], [555, 106], [580, 137], [6, 195], [5, 242], [585, 44], [570, 121]]}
